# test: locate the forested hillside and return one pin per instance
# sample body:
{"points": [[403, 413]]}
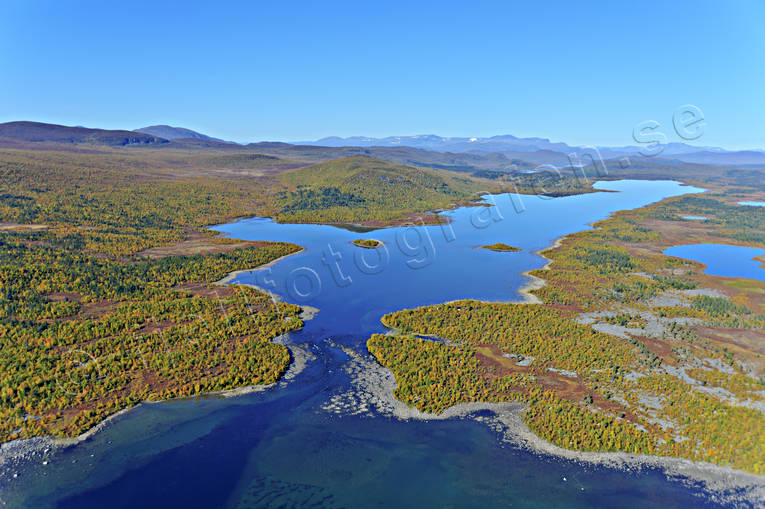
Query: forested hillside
{"points": [[358, 189]]}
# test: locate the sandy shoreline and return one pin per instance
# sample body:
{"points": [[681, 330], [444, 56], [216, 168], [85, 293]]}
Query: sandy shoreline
{"points": [[536, 282], [234, 274], [306, 313]]}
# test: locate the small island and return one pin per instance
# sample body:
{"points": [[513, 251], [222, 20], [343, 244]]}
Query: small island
{"points": [[499, 246], [367, 243]]}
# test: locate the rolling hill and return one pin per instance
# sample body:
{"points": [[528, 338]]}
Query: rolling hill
{"points": [[173, 133], [37, 132], [364, 189]]}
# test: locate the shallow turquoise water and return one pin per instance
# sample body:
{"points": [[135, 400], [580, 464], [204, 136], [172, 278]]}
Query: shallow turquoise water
{"points": [[723, 259], [280, 447], [752, 203]]}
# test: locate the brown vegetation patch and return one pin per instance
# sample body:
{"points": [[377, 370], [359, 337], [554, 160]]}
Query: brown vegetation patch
{"points": [[751, 293], [679, 232], [63, 297], [661, 349], [408, 220], [492, 358], [566, 387], [751, 340], [206, 290], [98, 309], [155, 326], [198, 243]]}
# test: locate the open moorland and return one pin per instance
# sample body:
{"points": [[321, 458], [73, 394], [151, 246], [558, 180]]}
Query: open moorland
{"points": [[108, 294]]}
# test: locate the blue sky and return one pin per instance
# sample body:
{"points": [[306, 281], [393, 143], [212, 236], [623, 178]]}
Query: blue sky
{"points": [[579, 73]]}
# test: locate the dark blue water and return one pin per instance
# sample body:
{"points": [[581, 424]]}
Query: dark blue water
{"points": [[723, 260], [281, 448], [422, 265]]}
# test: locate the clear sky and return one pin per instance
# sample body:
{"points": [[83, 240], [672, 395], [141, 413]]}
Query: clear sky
{"points": [[579, 72]]}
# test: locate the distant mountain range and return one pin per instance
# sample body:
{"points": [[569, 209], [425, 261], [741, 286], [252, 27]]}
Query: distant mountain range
{"points": [[496, 152], [510, 144], [173, 133], [501, 143], [36, 132]]}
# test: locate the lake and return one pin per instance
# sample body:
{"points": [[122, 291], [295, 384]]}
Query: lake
{"points": [[284, 446], [723, 259]]}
